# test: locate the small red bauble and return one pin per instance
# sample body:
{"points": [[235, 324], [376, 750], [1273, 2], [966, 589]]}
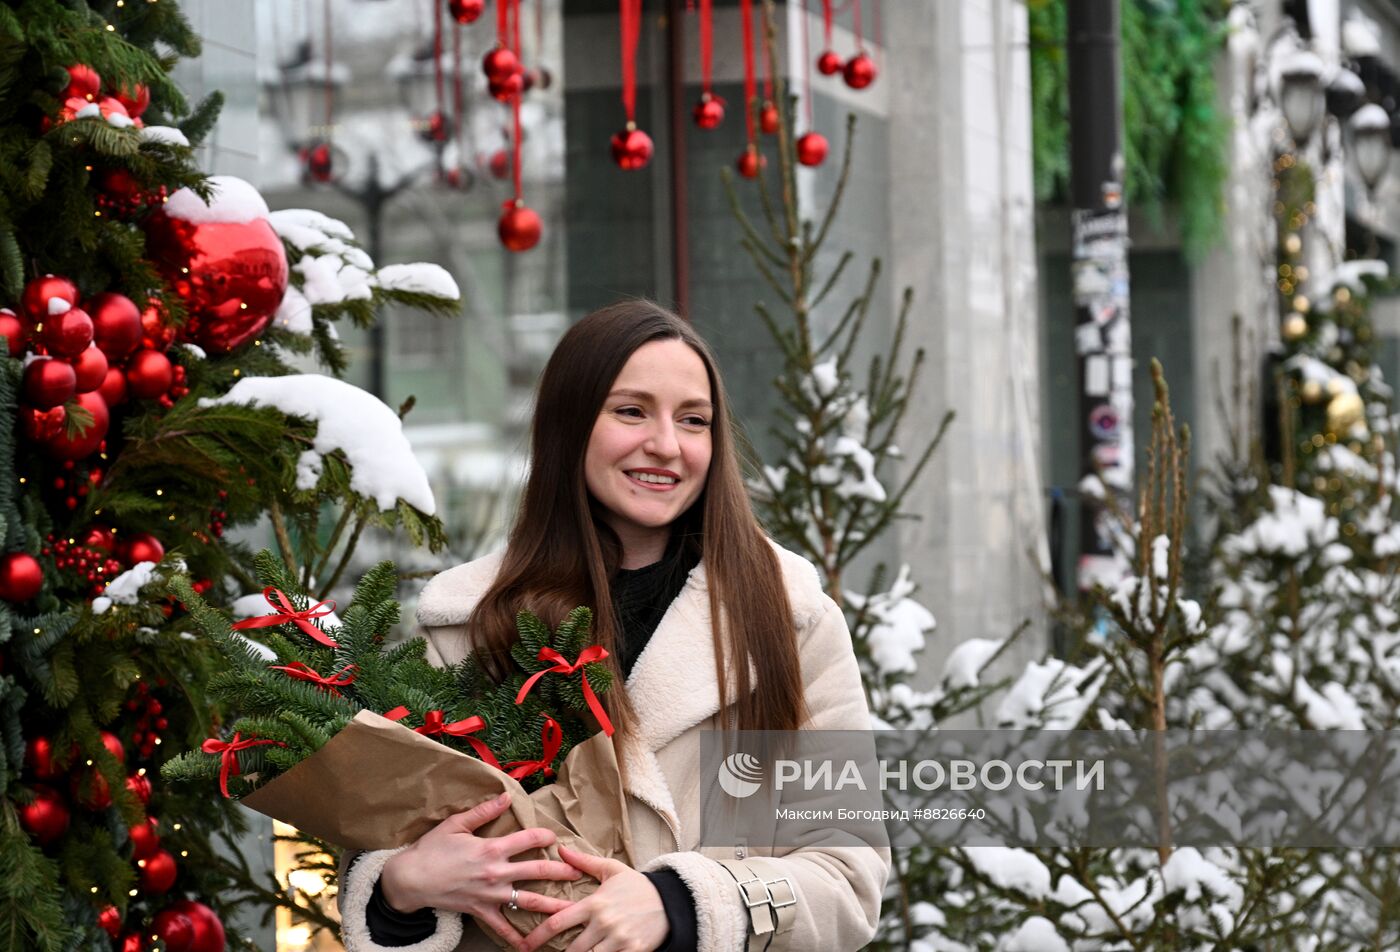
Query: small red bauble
{"points": [[434, 128], [829, 64], [631, 148], [174, 929], [135, 100], [120, 184], [465, 11], [750, 163], [113, 743], [155, 333], [499, 63], [157, 873], [38, 757], [149, 374], [812, 149], [13, 330], [100, 538], [21, 578], [116, 324], [860, 71], [499, 163], [113, 386], [46, 816], [144, 840], [320, 162], [132, 942], [144, 548], [768, 119], [507, 87], [42, 425], [90, 367], [40, 291], [91, 790], [519, 227], [63, 446], [208, 930], [140, 787], [110, 919], [67, 334], [709, 111], [83, 82], [49, 383]]}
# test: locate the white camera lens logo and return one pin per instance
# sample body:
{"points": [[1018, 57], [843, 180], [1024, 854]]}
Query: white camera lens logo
{"points": [[740, 775]]}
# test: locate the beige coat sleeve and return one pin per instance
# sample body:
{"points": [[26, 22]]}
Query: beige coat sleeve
{"points": [[838, 887]]}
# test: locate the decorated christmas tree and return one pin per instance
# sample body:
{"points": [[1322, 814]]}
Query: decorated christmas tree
{"points": [[149, 408]]}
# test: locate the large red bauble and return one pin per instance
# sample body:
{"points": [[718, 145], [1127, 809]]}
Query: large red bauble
{"points": [[49, 383], [174, 929], [83, 81], [768, 119], [231, 275], [42, 425], [829, 64], [110, 919], [144, 548], [62, 446], [20, 577], [149, 374], [46, 816], [631, 148], [38, 757], [13, 330], [91, 369], [157, 873], [465, 11], [140, 787], [37, 293], [116, 324], [709, 111], [113, 743], [812, 149], [67, 334], [135, 100], [860, 71], [750, 163], [113, 387], [519, 227], [208, 930], [144, 840], [499, 63]]}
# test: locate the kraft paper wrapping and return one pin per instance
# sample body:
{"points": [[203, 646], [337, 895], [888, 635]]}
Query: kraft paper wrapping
{"points": [[378, 785]]}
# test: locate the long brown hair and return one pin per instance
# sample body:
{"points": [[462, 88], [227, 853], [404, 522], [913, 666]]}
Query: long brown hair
{"points": [[562, 554]]}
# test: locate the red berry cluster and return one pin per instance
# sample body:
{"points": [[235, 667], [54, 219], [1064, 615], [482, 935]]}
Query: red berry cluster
{"points": [[91, 563], [218, 516], [121, 194], [149, 720]]}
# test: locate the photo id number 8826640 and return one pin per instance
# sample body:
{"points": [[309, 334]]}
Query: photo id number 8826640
{"points": [[949, 813]]}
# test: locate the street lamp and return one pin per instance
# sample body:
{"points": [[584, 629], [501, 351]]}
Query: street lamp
{"points": [[1370, 129], [302, 96], [1300, 94]]}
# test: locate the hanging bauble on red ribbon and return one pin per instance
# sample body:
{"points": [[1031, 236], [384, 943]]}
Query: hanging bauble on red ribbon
{"points": [[709, 111], [144, 839], [116, 324], [208, 930], [39, 292], [66, 334], [768, 119], [83, 82], [75, 447], [46, 817], [140, 787], [113, 387], [143, 547], [750, 162], [135, 100], [829, 63], [157, 874], [14, 331], [507, 88], [21, 578], [812, 149], [631, 148], [499, 64], [149, 374], [110, 920], [39, 754], [466, 11], [435, 128], [90, 367], [49, 383], [519, 227], [860, 71], [499, 164], [224, 260], [319, 162], [174, 929]]}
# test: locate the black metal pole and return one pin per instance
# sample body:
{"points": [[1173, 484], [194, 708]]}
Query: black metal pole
{"points": [[373, 198], [1103, 340]]}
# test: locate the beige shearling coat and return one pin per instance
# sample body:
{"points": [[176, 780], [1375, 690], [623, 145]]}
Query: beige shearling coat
{"points": [[675, 692]]}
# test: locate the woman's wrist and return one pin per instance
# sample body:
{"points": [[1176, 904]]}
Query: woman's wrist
{"points": [[397, 891]]}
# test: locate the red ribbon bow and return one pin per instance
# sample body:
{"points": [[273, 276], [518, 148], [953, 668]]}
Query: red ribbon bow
{"points": [[228, 755], [552, 737], [287, 614], [300, 671], [562, 666], [435, 723]]}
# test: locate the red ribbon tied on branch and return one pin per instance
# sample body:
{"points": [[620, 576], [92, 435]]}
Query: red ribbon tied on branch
{"points": [[435, 723], [299, 671], [228, 755], [562, 666], [287, 614], [552, 737]]}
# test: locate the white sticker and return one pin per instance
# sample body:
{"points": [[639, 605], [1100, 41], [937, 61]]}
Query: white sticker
{"points": [[1096, 375]]}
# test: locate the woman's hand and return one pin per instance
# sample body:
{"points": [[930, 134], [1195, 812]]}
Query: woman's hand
{"points": [[452, 868], [624, 915]]}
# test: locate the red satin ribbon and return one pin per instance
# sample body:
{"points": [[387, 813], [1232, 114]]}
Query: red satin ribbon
{"points": [[287, 614], [562, 666], [435, 723], [630, 16], [826, 21], [300, 671], [228, 755], [746, 14], [707, 46], [552, 737]]}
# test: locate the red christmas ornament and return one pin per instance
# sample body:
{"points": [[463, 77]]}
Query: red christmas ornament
{"points": [[13, 330], [140, 787], [149, 374], [135, 100], [144, 548], [519, 227], [112, 106], [91, 790], [465, 11], [812, 149], [860, 71], [768, 119], [113, 386], [110, 919], [62, 446], [113, 743], [434, 128], [174, 929], [21, 578], [46, 816], [709, 111], [506, 88], [42, 425], [208, 930], [116, 324], [144, 840], [157, 874], [320, 162], [631, 148], [132, 942], [829, 64], [38, 293], [38, 757], [67, 334], [155, 333], [500, 163], [49, 383], [90, 368], [83, 82], [100, 538], [231, 275], [750, 163], [499, 64], [543, 78]]}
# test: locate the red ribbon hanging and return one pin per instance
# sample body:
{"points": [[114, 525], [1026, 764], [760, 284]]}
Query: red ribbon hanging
{"points": [[287, 614], [707, 45], [807, 66], [503, 23], [513, 8], [750, 85], [855, 22], [435, 723], [562, 666], [228, 755], [630, 14], [826, 22], [437, 58], [552, 737], [330, 87], [299, 671], [767, 68]]}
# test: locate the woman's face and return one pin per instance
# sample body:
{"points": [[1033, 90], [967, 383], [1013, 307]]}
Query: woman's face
{"points": [[649, 452]]}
